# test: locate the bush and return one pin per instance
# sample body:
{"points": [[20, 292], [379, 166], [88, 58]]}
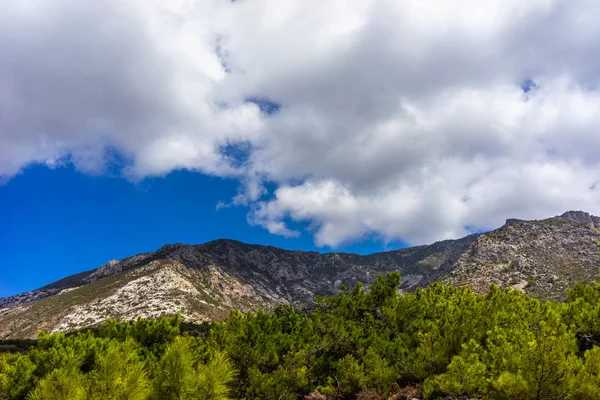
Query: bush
{"points": [[359, 344]]}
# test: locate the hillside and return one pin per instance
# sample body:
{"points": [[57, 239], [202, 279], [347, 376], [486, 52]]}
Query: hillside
{"points": [[204, 282], [445, 343], [542, 258]]}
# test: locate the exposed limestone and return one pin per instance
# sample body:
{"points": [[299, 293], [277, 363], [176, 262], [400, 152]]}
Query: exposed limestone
{"points": [[148, 296]]}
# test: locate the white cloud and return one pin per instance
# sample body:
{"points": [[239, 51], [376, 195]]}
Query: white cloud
{"points": [[400, 118]]}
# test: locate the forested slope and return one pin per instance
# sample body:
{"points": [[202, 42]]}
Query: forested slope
{"points": [[360, 344]]}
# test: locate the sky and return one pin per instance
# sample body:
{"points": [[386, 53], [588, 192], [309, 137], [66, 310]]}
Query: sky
{"points": [[347, 125]]}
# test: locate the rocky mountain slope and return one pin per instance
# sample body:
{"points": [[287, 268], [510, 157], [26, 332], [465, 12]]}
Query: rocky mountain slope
{"points": [[204, 282], [542, 258]]}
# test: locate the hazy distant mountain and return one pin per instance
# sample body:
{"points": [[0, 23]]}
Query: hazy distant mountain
{"points": [[204, 282]]}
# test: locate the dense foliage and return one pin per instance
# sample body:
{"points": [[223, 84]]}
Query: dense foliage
{"points": [[358, 344]]}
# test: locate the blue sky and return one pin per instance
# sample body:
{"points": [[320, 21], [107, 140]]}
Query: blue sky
{"points": [[336, 124], [57, 222]]}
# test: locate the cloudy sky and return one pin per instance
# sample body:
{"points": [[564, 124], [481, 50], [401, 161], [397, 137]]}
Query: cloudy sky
{"points": [[409, 121]]}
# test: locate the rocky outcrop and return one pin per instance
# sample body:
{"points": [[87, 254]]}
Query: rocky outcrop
{"points": [[543, 258], [583, 217], [23, 298]]}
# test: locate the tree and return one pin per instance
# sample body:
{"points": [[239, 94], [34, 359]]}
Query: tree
{"points": [[61, 384], [214, 377], [119, 374], [175, 378], [16, 376]]}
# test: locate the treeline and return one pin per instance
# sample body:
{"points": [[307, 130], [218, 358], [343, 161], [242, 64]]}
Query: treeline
{"points": [[365, 344]]}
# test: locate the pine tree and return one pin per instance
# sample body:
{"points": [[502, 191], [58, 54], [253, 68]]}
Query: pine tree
{"points": [[16, 376], [214, 377], [119, 374], [61, 384], [175, 377]]}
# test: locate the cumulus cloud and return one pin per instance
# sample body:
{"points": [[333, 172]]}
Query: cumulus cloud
{"points": [[411, 120]]}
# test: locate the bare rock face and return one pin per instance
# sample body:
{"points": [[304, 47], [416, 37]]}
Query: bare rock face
{"points": [[542, 258], [583, 217], [110, 268], [205, 282]]}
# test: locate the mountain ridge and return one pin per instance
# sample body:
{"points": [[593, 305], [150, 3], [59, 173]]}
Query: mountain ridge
{"points": [[204, 282]]}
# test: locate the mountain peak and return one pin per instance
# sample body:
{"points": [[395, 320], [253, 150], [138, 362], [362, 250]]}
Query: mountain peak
{"points": [[169, 248], [582, 217], [511, 221], [224, 242]]}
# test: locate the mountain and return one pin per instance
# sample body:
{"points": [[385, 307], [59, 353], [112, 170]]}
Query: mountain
{"points": [[543, 258], [204, 282]]}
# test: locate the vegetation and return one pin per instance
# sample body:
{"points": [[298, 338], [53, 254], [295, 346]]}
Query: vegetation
{"points": [[365, 344]]}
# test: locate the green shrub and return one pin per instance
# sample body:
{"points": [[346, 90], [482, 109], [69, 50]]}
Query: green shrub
{"points": [[361, 343]]}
